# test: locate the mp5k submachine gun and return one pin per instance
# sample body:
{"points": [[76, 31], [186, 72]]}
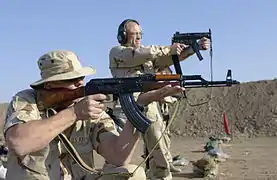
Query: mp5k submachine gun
{"points": [[191, 39]]}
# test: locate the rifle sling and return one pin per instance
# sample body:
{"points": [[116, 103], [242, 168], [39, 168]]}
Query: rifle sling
{"points": [[71, 150], [75, 155], [77, 158]]}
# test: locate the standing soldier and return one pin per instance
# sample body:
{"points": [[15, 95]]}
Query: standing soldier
{"points": [[130, 58]]}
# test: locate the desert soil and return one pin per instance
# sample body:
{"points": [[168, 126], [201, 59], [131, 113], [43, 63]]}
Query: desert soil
{"points": [[249, 159], [251, 109]]}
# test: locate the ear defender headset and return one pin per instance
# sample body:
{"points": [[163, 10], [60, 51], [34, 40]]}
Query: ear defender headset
{"points": [[121, 33]]}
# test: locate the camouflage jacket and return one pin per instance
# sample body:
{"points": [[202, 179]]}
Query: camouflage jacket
{"points": [[44, 164]]}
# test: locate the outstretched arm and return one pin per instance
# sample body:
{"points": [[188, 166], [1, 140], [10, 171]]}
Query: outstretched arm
{"points": [[187, 51], [166, 61], [121, 56], [118, 150]]}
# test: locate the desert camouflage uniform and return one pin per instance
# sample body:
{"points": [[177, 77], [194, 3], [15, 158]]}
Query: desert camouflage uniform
{"points": [[127, 62], [165, 104], [53, 162], [45, 164]]}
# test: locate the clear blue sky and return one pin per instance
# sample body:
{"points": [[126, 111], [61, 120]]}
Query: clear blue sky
{"points": [[244, 35]]}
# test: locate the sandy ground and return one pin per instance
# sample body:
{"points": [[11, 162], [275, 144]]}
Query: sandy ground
{"points": [[249, 159]]}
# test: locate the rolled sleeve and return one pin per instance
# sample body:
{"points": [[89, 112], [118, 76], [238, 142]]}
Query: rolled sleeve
{"points": [[22, 108], [11, 121], [104, 128]]}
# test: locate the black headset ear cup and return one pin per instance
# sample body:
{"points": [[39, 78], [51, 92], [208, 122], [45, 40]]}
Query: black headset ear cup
{"points": [[121, 34]]}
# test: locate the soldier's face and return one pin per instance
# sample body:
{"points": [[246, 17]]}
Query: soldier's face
{"points": [[133, 34]]}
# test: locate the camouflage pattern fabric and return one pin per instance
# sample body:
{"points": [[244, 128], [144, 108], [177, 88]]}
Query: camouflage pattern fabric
{"points": [[53, 162], [45, 164], [128, 62]]}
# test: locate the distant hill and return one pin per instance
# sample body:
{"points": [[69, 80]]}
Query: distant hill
{"points": [[251, 109]]}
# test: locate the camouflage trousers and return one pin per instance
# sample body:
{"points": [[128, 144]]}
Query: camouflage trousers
{"points": [[161, 157], [166, 118]]}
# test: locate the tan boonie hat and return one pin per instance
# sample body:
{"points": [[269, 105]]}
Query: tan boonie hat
{"points": [[60, 65]]}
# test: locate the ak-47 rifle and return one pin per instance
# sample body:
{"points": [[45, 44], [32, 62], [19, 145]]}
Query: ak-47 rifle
{"points": [[124, 88]]}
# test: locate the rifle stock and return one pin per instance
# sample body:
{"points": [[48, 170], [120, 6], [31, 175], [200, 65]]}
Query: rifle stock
{"points": [[124, 88], [53, 98]]}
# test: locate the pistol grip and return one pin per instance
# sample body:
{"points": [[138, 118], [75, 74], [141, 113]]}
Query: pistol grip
{"points": [[195, 48]]}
